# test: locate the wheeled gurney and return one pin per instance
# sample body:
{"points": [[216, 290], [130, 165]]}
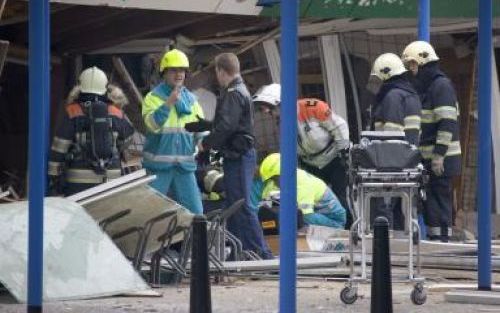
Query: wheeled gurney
{"points": [[384, 165]]}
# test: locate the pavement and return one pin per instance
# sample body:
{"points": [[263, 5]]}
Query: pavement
{"points": [[246, 295]]}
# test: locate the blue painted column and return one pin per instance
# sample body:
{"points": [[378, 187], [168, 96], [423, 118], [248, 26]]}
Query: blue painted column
{"points": [[424, 20], [288, 148], [39, 78], [484, 177], [424, 34]]}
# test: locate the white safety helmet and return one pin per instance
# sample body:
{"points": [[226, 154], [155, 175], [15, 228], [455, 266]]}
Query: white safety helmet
{"points": [[211, 179], [93, 80], [270, 94], [387, 65], [419, 51]]}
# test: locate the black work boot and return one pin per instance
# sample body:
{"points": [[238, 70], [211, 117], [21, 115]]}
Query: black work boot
{"points": [[444, 234]]}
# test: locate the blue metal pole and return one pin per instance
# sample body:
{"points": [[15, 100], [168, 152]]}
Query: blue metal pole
{"points": [[424, 20], [485, 146], [38, 121], [288, 148]]}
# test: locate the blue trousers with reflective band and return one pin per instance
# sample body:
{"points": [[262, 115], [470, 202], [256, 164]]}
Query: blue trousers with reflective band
{"points": [[244, 224], [327, 212], [181, 185]]}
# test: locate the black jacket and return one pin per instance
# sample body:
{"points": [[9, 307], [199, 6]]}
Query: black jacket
{"points": [[398, 108], [232, 131], [70, 153], [440, 128]]}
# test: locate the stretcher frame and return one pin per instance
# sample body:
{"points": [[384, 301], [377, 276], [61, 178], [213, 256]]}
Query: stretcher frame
{"points": [[369, 183]]}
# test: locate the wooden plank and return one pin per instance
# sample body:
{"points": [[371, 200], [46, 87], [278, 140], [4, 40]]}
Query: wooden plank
{"points": [[4, 194], [224, 40], [4, 48], [133, 109], [244, 48], [130, 26], [473, 297], [2, 7], [273, 265], [209, 6]]}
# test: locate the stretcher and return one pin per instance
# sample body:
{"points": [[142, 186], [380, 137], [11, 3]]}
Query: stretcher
{"points": [[384, 165]]}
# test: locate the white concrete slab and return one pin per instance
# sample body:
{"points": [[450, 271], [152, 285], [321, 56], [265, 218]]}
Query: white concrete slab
{"points": [[473, 297], [273, 265], [450, 287], [80, 261]]}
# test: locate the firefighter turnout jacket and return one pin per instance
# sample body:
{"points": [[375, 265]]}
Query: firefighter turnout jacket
{"points": [[74, 154], [398, 108], [440, 129]]}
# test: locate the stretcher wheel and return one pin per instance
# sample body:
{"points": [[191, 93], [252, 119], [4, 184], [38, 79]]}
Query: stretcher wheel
{"points": [[418, 295], [348, 295]]}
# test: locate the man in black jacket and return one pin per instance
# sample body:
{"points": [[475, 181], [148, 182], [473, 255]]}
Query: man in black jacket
{"points": [[232, 133], [439, 142]]}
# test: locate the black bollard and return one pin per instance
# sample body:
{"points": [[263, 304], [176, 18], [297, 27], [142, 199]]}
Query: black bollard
{"points": [[200, 298], [381, 301]]}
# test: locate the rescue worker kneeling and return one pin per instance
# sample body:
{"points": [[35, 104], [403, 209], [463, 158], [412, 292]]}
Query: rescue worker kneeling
{"points": [[318, 203], [91, 137]]}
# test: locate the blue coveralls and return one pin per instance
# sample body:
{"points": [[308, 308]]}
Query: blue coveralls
{"points": [[169, 149]]}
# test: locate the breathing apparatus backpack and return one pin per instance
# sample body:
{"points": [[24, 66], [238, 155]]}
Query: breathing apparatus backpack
{"points": [[100, 146]]}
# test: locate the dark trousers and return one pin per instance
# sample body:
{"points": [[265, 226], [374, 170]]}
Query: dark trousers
{"points": [[244, 224], [438, 207], [335, 175], [390, 209]]}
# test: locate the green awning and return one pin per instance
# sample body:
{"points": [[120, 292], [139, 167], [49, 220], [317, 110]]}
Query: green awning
{"points": [[384, 9]]}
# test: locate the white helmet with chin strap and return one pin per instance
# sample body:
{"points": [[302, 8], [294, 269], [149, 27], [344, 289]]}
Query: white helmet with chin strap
{"points": [[93, 80], [419, 51], [387, 65], [269, 94]]}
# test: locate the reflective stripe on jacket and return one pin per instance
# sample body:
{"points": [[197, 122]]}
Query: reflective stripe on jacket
{"points": [[310, 192], [399, 109], [167, 142], [440, 128]]}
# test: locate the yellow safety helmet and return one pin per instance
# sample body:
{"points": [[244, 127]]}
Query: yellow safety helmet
{"points": [[174, 59], [270, 167]]}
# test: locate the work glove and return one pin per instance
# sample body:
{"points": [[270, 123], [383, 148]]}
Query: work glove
{"points": [[437, 165], [200, 126]]}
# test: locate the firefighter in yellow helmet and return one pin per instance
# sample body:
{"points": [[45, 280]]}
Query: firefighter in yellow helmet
{"points": [[169, 151], [318, 203]]}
